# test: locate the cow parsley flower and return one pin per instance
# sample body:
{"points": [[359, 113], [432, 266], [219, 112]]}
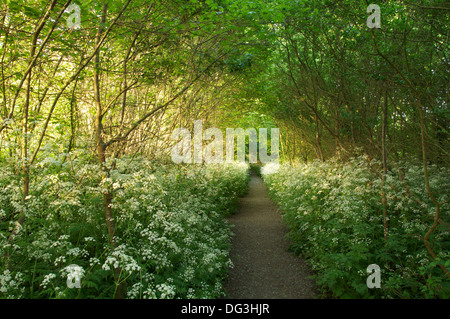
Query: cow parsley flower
{"points": [[47, 279]]}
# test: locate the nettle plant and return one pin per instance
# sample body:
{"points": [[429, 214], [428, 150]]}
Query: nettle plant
{"points": [[335, 215], [172, 240]]}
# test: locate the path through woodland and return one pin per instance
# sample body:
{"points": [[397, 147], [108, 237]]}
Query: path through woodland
{"points": [[263, 268]]}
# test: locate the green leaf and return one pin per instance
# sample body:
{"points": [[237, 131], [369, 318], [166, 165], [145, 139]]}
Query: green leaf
{"points": [[31, 12]]}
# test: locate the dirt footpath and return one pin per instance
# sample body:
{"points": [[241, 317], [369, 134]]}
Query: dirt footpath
{"points": [[263, 268]]}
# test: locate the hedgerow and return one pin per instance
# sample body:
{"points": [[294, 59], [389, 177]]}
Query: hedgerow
{"points": [[335, 215], [172, 240]]}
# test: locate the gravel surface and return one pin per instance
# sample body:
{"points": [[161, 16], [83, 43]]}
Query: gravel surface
{"points": [[263, 268]]}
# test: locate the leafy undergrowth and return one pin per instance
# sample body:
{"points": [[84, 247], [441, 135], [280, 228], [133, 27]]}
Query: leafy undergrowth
{"points": [[172, 238], [335, 215]]}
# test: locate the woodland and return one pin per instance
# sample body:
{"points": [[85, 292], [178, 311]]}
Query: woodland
{"points": [[92, 90]]}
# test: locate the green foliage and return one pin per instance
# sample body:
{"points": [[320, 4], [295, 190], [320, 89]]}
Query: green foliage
{"points": [[256, 168], [172, 238], [334, 212], [324, 64]]}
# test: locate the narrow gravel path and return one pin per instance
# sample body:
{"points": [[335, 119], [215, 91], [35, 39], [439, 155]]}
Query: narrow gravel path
{"points": [[263, 268]]}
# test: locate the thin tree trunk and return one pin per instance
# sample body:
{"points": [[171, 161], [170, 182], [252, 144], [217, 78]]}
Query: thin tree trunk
{"points": [[73, 106], [430, 194], [384, 160], [316, 122], [101, 153], [336, 128], [318, 140], [25, 165]]}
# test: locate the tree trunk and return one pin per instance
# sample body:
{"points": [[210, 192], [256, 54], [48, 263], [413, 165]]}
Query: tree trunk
{"points": [[25, 165], [336, 129], [318, 139], [101, 153], [384, 161], [430, 194], [73, 122]]}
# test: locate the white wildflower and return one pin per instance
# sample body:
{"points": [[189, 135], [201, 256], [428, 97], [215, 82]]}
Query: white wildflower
{"points": [[47, 279]]}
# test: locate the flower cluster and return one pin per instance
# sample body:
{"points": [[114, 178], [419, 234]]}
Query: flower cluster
{"points": [[11, 285]]}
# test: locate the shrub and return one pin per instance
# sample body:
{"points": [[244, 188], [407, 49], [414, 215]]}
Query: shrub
{"points": [[335, 216], [172, 238]]}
